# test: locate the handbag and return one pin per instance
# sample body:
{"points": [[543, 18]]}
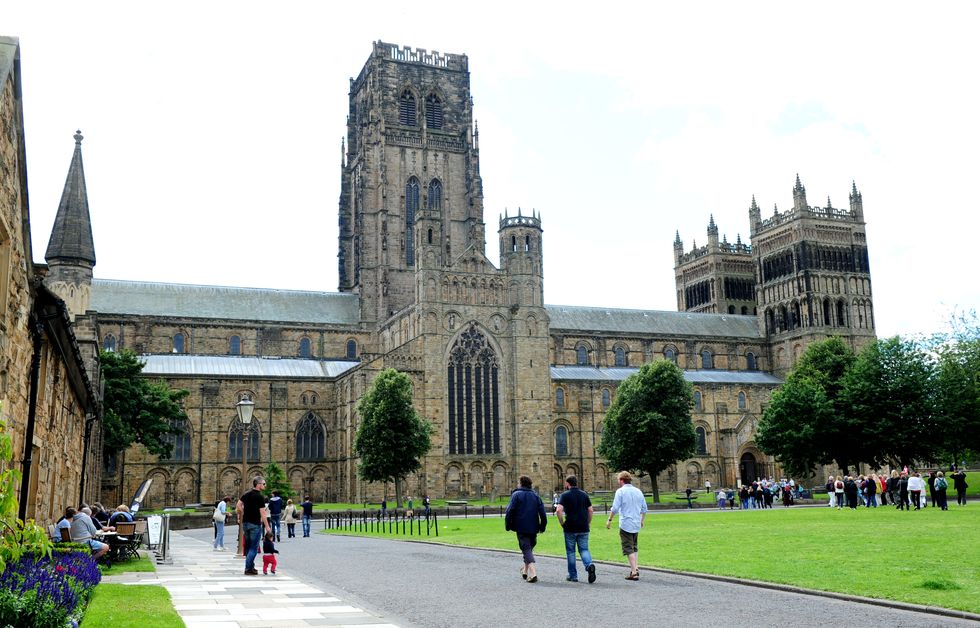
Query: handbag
{"points": [[218, 516]]}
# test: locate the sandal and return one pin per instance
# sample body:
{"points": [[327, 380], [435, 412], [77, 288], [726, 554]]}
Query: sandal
{"points": [[634, 575], [523, 573], [532, 579]]}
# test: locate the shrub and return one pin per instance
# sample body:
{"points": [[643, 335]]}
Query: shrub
{"points": [[41, 591]]}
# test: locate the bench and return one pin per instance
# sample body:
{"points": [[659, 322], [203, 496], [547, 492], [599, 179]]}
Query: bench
{"points": [[456, 502]]}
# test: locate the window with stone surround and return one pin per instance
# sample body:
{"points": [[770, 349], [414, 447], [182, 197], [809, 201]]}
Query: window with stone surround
{"points": [[619, 354], [180, 442], [606, 397], [433, 112], [434, 196], [406, 108], [582, 355], [235, 437], [698, 403], [351, 349], [310, 438], [750, 362], [702, 440], [473, 394], [742, 404], [561, 441], [109, 343], [235, 345], [707, 360], [670, 353], [179, 343], [560, 398], [411, 209], [305, 348]]}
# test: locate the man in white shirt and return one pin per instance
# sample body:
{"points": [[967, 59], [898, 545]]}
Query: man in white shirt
{"points": [[631, 506], [916, 484]]}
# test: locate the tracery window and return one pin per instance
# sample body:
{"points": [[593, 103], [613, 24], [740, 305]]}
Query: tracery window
{"points": [[109, 343], [474, 411], [180, 442], [702, 440], [406, 108], [310, 438], [235, 438], [561, 441], [433, 112], [235, 345], [435, 194], [305, 348], [411, 208], [620, 356]]}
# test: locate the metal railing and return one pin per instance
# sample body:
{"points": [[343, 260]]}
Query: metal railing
{"points": [[390, 523]]}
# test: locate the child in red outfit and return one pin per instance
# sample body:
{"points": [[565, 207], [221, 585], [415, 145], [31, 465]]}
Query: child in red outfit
{"points": [[269, 552]]}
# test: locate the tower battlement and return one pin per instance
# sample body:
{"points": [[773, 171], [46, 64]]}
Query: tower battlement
{"points": [[519, 220], [725, 248], [406, 54]]}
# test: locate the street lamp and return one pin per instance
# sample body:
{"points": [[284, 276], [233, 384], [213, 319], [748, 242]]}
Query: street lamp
{"points": [[245, 407]]}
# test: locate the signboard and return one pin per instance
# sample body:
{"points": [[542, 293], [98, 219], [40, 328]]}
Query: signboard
{"points": [[154, 526]]}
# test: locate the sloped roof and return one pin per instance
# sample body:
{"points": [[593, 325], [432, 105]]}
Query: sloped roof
{"points": [[708, 376], [71, 236], [111, 296], [576, 318], [171, 365]]}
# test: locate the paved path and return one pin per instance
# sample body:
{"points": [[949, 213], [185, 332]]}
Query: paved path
{"points": [[415, 584]]}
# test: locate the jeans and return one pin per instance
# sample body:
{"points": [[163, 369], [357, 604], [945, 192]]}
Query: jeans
{"points": [[276, 523], [219, 534], [582, 540], [306, 526], [291, 530], [840, 500], [872, 501], [253, 537]]}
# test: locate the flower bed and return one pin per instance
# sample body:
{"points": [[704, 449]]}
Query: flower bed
{"points": [[48, 592]]}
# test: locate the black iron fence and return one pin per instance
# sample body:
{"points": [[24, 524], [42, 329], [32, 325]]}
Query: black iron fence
{"points": [[395, 522]]}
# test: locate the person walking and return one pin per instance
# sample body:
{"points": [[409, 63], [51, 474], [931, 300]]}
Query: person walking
{"points": [[940, 486], [872, 491], [574, 513], [959, 483], [688, 492], [916, 484], [722, 498], [830, 491], [290, 516], [903, 492], [839, 492], [631, 506], [525, 515], [220, 516], [275, 514], [307, 507], [269, 552], [251, 516]]}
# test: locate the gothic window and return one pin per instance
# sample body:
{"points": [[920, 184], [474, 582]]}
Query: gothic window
{"points": [[433, 112], [582, 355], [707, 360], [235, 345], [435, 195], [670, 354], [620, 356], [351, 349], [741, 401], [750, 361], [561, 441], [235, 438], [305, 348], [702, 440], [179, 345], [560, 398], [473, 395], [304, 399], [406, 108], [109, 343], [840, 314], [310, 438], [697, 399], [180, 442], [605, 398], [411, 208]]}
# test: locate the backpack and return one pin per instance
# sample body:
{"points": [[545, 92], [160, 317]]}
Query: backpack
{"points": [[839, 485], [941, 484]]}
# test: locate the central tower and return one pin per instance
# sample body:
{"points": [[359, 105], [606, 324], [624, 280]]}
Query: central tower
{"points": [[411, 148]]}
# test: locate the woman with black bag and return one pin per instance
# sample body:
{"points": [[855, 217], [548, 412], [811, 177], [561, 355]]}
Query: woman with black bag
{"points": [[290, 516]]}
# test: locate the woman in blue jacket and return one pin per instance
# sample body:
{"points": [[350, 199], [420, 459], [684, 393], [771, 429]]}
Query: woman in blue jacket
{"points": [[525, 515]]}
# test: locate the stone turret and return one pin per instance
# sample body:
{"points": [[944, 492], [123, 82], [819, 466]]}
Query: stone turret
{"points": [[857, 204], [799, 195], [521, 255]]}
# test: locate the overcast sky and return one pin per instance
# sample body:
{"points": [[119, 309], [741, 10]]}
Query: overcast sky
{"points": [[213, 133]]}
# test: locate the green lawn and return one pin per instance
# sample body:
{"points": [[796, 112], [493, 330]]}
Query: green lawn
{"points": [[141, 565], [923, 557], [136, 606]]}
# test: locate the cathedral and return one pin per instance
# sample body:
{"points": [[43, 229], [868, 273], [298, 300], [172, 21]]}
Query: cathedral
{"points": [[511, 385]]}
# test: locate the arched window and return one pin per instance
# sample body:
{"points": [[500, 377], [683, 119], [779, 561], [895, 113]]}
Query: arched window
{"points": [[411, 209], [697, 399], [605, 398], [435, 195], [235, 438], [473, 394], [180, 442], [750, 361], [406, 108], [582, 355], [731, 309], [109, 343], [745, 310], [670, 354], [707, 360], [702, 440], [305, 348], [433, 112], [741, 401], [310, 438], [304, 399], [620, 356], [179, 343], [561, 441], [235, 345], [351, 349], [560, 398]]}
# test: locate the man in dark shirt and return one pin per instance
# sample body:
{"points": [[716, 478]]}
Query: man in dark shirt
{"points": [[307, 507], [574, 512], [251, 513]]}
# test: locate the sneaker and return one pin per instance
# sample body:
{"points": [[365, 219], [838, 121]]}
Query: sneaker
{"points": [[251, 572], [273, 572], [591, 570], [571, 579]]}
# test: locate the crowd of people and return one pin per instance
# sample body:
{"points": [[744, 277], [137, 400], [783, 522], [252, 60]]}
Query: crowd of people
{"points": [[86, 523], [761, 494], [905, 490]]}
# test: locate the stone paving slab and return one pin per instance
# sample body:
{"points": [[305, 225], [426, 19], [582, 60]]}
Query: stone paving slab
{"points": [[209, 590]]}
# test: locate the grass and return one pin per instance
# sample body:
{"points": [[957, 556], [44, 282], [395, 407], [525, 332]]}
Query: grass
{"points": [[144, 564], [925, 557], [125, 606]]}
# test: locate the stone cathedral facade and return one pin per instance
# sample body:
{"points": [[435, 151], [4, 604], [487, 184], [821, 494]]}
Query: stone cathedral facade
{"points": [[511, 385]]}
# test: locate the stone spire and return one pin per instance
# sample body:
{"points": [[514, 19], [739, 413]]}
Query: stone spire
{"points": [[799, 195], [712, 227], [857, 203], [71, 236]]}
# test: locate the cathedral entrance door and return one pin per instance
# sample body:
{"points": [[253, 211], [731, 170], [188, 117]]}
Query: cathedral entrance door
{"points": [[747, 468]]}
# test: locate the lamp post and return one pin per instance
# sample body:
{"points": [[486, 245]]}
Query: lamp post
{"points": [[245, 407]]}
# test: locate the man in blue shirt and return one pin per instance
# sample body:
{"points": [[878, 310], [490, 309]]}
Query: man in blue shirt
{"points": [[307, 507], [631, 506], [574, 512]]}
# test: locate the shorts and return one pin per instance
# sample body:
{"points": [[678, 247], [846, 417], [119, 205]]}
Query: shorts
{"points": [[95, 546], [628, 541]]}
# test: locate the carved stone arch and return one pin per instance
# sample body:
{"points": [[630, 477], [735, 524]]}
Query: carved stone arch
{"points": [[711, 474], [454, 479], [229, 483], [694, 476], [602, 479], [319, 482], [185, 487], [159, 494], [499, 483], [478, 483], [559, 480], [298, 476]]}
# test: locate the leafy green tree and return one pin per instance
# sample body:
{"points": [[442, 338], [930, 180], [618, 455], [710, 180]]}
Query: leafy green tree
{"points": [[958, 388], [792, 424], [648, 428], [137, 410], [275, 480], [392, 437]]}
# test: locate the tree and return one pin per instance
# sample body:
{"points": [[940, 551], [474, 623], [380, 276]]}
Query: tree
{"points": [[275, 480], [648, 428], [137, 410], [392, 437], [958, 388]]}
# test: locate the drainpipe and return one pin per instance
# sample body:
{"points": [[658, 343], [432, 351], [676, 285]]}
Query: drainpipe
{"points": [[36, 336], [88, 433]]}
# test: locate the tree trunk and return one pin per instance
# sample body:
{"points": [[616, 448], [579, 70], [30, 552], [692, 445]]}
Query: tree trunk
{"points": [[398, 493], [656, 488]]}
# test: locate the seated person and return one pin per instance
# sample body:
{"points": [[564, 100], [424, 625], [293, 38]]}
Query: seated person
{"points": [[83, 531], [98, 525], [65, 521], [100, 514], [121, 514]]}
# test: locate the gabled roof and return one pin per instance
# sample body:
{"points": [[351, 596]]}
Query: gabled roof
{"points": [[143, 298], [71, 236], [575, 318], [179, 364], [707, 376]]}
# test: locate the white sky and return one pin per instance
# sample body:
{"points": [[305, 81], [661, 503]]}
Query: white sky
{"points": [[213, 129]]}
